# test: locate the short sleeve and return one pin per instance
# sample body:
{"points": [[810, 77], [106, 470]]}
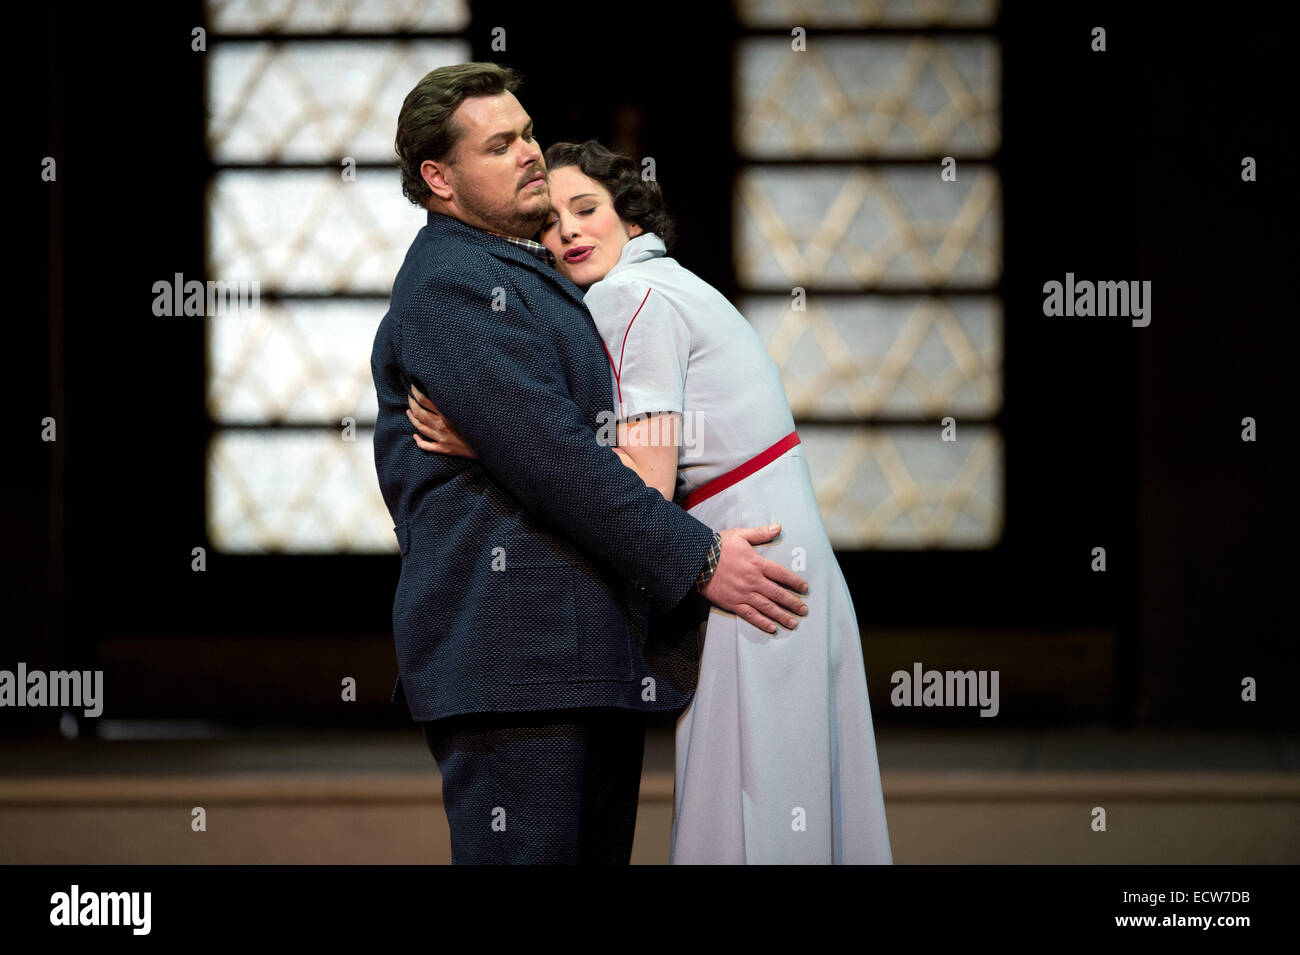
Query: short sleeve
{"points": [[648, 343]]}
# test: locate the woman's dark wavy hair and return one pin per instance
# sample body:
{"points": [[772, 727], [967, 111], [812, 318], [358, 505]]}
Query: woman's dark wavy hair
{"points": [[635, 199]]}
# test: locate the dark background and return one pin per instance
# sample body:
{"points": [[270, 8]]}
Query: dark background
{"points": [[1118, 165]]}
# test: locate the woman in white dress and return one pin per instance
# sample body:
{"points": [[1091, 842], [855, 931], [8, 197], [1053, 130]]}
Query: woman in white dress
{"points": [[775, 755]]}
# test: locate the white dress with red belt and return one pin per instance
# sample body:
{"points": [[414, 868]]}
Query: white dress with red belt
{"points": [[776, 753]]}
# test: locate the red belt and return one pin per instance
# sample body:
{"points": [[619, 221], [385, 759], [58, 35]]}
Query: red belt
{"points": [[724, 481]]}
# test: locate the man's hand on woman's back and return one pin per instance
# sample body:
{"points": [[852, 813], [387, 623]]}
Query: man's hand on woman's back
{"points": [[758, 590]]}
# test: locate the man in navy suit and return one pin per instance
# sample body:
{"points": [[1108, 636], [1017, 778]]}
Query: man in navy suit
{"points": [[528, 574]]}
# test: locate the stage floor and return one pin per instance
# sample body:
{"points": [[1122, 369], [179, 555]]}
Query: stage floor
{"points": [[1004, 796]]}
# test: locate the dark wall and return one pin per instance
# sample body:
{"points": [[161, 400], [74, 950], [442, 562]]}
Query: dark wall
{"points": [[1116, 165], [1217, 516]]}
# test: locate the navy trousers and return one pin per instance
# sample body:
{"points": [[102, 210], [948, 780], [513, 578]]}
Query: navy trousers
{"points": [[555, 787]]}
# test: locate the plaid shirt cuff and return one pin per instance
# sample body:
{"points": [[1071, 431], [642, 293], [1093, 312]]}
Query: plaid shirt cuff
{"points": [[711, 564]]}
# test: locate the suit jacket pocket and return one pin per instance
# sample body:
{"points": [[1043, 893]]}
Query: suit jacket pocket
{"points": [[543, 637], [606, 635]]}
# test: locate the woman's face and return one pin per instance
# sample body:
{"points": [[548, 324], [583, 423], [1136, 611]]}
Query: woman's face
{"points": [[583, 231]]}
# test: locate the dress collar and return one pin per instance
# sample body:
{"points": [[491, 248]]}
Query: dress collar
{"points": [[639, 248]]}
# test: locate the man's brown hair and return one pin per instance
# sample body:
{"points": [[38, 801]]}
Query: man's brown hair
{"points": [[425, 129]]}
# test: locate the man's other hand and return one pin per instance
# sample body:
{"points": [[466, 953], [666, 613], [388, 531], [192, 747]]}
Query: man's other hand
{"points": [[758, 590]]}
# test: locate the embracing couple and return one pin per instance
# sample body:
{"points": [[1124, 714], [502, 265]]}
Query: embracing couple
{"points": [[557, 586]]}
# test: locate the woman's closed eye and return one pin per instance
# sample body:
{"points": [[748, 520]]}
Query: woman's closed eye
{"points": [[551, 222]]}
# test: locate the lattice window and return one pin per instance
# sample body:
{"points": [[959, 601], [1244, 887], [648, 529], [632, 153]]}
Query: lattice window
{"points": [[293, 88], [839, 193]]}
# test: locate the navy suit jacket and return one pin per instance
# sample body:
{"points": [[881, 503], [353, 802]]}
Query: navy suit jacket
{"points": [[528, 575]]}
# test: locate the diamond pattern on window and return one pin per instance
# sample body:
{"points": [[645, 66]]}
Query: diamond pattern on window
{"points": [[314, 102], [850, 98], [336, 16], [295, 490], [310, 231], [880, 356], [874, 13], [293, 362], [852, 227], [903, 487]]}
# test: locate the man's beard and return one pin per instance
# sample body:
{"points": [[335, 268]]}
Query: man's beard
{"points": [[504, 216]]}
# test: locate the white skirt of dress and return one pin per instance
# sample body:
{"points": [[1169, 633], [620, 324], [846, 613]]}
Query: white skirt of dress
{"points": [[776, 753]]}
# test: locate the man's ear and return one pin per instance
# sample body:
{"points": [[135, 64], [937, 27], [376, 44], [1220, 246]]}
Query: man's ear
{"points": [[434, 175]]}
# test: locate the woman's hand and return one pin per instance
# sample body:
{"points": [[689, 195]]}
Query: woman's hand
{"points": [[438, 434]]}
